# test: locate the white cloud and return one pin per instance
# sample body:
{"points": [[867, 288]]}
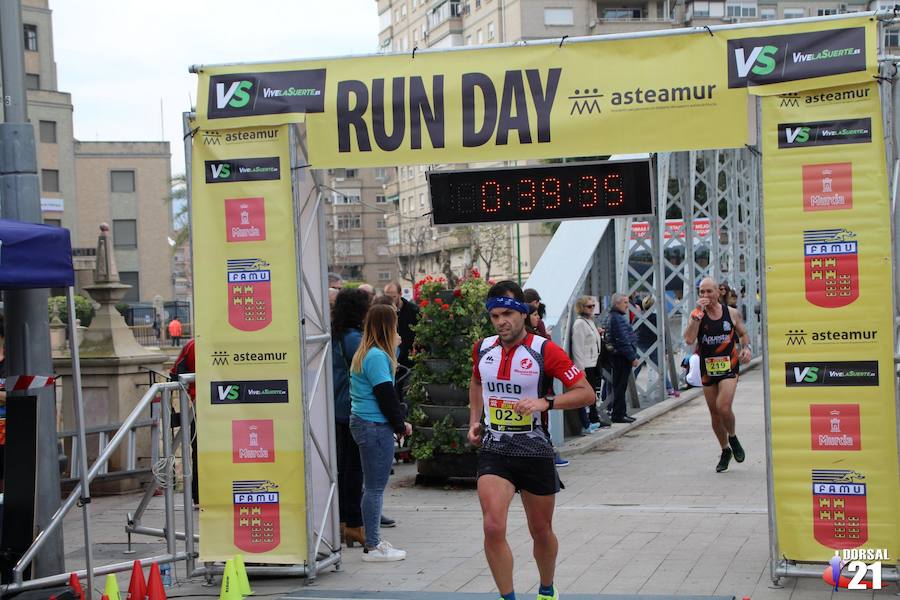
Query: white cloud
{"points": [[120, 58]]}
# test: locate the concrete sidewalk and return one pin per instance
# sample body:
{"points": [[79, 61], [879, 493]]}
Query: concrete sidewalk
{"points": [[643, 512]]}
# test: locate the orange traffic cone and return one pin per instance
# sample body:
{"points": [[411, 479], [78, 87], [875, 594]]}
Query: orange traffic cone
{"points": [[137, 588], [155, 589], [75, 584]]}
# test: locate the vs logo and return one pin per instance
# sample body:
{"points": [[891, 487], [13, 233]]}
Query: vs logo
{"points": [[760, 61], [228, 394], [220, 170], [237, 94], [796, 135], [806, 374]]}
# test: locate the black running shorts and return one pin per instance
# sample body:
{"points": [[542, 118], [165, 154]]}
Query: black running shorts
{"points": [[535, 475]]}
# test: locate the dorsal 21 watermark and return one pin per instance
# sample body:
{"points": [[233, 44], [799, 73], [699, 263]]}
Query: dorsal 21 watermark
{"points": [[858, 562]]}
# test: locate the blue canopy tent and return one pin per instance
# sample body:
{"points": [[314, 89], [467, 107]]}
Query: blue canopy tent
{"points": [[40, 256]]}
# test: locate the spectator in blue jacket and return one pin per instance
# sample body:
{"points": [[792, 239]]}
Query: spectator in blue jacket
{"points": [[350, 307], [624, 341]]}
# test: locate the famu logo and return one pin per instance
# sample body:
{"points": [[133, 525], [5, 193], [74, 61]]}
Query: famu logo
{"points": [[245, 94], [825, 133], [243, 169], [777, 58]]}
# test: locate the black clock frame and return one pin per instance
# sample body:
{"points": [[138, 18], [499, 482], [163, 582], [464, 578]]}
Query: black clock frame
{"points": [[576, 192]]}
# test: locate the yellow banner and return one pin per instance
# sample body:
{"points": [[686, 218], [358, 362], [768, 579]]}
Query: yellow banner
{"points": [[678, 91], [249, 409], [830, 338]]}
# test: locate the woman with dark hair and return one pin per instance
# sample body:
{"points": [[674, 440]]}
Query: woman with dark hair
{"points": [[350, 307], [375, 416]]}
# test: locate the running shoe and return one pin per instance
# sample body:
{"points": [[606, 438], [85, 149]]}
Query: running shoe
{"points": [[388, 522], [555, 595], [724, 460], [561, 462], [594, 427], [383, 552], [736, 448]]}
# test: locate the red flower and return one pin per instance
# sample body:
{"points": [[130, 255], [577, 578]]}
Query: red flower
{"points": [[457, 292], [445, 306], [453, 444], [423, 304], [437, 301]]}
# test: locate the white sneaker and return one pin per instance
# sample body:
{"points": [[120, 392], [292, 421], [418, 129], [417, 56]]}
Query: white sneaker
{"points": [[383, 552]]}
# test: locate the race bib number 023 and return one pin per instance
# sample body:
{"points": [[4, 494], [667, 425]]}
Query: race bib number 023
{"points": [[504, 418]]}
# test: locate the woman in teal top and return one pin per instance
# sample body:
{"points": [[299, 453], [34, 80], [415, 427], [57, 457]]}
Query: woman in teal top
{"points": [[375, 416]]}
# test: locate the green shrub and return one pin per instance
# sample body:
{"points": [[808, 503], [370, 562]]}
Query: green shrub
{"points": [[84, 310]]}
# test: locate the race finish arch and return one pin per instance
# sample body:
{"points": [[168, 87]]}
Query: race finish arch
{"points": [[807, 94]]}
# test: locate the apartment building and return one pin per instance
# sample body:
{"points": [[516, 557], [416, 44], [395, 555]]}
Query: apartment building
{"points": [[408, 24], [357, 219], [124, 184]]}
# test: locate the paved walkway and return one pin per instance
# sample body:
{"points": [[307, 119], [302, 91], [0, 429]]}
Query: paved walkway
{"points": [[643, 513]]}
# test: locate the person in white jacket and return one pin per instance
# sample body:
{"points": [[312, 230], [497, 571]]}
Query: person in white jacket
{"points": [[585, 353]]}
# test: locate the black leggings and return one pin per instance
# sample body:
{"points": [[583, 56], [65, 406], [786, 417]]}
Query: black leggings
{"points": [[350, 476]]}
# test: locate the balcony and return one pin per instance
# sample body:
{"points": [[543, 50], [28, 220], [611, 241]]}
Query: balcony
{"points": [[444, 18]]}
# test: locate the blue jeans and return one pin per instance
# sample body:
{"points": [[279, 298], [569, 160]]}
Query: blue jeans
{"points": [[376, 451]]}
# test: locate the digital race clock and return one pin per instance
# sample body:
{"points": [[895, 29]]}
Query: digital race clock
{"points": [[541, 193]]}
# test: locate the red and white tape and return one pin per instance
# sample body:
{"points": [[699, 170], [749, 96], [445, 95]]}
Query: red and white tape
{"points": [[24, 383]]}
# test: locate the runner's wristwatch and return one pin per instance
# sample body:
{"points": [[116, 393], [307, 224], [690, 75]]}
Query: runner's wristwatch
{"points": [[550, 400]]}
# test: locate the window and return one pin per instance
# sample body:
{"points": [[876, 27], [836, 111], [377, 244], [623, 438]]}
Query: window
{"points": [[491, 30], [32, 81], [403, 11], [384, 20], [50, 180], [822, 12], [479, 37], [133, 279], [380, 199], [768, 14], [891, 38], [380, 224], [349, 197], [381, 173], [794, 13], [47, 131], [124, 233], [559, 16], [345, 222], [53, 222], [31, 37], [384, 275], [421, 199], [350, 173], [348, 247], [405, 43], [623, 14], [122, 181], [740, 10], [415, 36], [396, 15]]}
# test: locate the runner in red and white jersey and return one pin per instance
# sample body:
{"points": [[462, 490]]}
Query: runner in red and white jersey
{"points": [[509, 371]]}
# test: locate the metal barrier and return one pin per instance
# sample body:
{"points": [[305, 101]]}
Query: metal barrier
{"points": [[102, 434], [159, 395]]}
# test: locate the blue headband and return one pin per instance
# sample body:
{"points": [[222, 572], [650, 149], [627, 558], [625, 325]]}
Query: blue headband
{"points": [[506, 302]]}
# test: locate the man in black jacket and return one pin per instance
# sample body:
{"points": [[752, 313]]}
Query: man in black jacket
{"points": [[625, 356], [407, 316]]}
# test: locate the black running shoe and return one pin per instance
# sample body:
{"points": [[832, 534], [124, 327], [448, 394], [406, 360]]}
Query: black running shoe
{"points": [[736, 448], [724, 460]]}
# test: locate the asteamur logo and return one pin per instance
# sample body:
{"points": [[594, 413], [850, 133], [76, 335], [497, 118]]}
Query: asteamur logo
{"points": [[777, 58]]}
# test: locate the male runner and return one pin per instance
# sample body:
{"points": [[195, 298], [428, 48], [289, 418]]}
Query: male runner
{"points": [[508, 371], [713, 326]]}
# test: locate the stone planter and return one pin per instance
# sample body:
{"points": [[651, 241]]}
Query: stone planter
{"points": [[438, 366], [444, 466], [460, 414], [446, 296], [446, 394]]}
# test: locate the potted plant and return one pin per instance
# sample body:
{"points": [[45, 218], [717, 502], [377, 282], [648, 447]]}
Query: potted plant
{"points": [[450, 322]]}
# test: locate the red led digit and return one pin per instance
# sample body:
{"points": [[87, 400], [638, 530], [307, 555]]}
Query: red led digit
{"points": [[490, 196], [587, 191], [527, 198], [612, 190], [550, 188]]}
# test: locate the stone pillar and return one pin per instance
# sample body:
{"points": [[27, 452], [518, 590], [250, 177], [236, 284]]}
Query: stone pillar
{"points": [[114, 368]]}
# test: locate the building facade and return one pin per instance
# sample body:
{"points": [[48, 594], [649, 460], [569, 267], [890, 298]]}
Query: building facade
{"points": [[357, 219], [407, 24], [125, 184]]}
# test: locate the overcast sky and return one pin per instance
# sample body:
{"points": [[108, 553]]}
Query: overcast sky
{"points": [[120, 58]]}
